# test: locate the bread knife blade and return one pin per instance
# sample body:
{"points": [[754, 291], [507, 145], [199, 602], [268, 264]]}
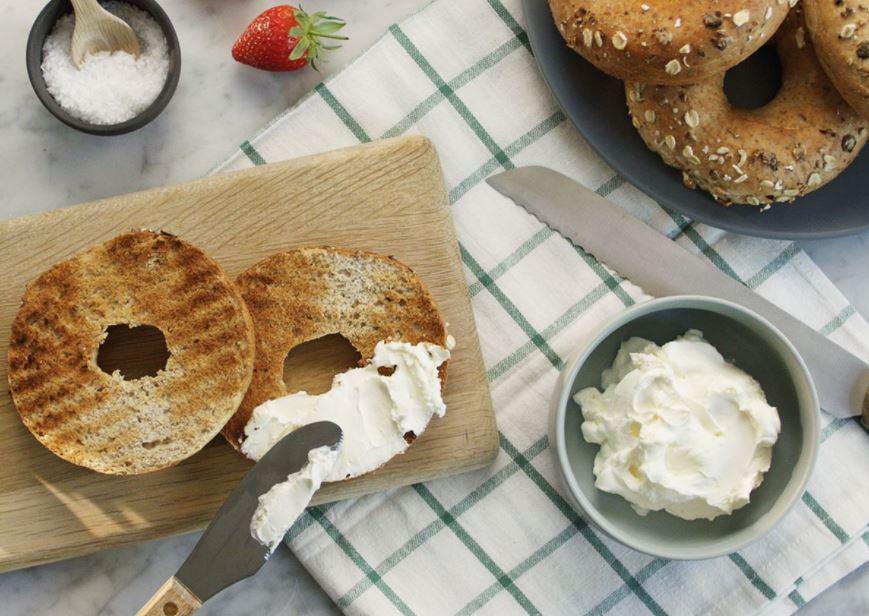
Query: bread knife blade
{"points": [[227, 552], [662, 267]]}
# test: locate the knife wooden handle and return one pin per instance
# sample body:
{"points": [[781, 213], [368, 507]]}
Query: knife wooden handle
{"points": [[172, 599]]}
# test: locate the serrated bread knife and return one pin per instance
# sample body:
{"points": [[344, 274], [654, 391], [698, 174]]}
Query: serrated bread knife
{"points": [[226, 552], [661, 267]]}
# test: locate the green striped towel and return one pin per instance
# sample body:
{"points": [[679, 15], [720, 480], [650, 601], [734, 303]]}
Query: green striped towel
{"points": [[504, 540]]}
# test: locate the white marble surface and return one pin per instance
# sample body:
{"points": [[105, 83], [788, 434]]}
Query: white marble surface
{"points": [[44, 165]]}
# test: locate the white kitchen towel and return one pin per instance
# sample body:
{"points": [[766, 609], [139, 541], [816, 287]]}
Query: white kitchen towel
{"points": [[504, 540]]}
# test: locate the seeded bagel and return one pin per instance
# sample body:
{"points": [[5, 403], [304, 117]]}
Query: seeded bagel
{"points": [[102, 421], [796, 143], [304, 294], [840, 34], [667, 41]]}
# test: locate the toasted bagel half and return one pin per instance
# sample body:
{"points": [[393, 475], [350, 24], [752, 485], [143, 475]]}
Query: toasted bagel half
{"points": [[304, 294], [103, 421]]}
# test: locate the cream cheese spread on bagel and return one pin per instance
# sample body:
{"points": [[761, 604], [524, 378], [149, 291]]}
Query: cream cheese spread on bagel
{"points": [[381, 408]]}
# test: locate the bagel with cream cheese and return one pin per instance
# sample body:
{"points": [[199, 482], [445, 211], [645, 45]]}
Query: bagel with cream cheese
{"points": [[307, 293], [840, 35], [796, 143], [667, 41], [103, 421]]}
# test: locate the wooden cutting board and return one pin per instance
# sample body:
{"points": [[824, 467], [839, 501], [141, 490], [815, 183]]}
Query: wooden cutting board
{"points": [[386, 197]]}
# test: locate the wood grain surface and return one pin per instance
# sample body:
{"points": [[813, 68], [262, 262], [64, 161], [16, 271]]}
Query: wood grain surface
{"points": [[387, 196]]}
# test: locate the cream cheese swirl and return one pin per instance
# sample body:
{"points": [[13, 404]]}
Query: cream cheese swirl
{"points": [[680, 429]]}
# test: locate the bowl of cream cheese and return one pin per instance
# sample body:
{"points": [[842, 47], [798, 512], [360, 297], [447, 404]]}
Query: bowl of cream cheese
{"points": [[686, 427]]}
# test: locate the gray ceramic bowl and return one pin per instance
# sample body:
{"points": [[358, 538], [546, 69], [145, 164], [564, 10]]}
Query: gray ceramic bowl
{"points": [[43, 26], [754, 345]]}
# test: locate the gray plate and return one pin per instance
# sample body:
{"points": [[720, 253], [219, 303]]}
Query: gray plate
{"points": [[595, 103]]}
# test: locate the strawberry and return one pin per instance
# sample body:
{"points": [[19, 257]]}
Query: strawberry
{"points": [[286, 38]]}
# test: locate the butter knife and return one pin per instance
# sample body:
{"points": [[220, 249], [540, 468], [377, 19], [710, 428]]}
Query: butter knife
{"points": [[662, 267], [226, 552]]}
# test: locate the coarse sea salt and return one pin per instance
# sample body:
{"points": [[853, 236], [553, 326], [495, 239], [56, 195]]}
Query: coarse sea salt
{"points": [[109, 88]]}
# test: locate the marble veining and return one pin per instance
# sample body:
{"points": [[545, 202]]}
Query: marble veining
{"points": [[45, 165]]}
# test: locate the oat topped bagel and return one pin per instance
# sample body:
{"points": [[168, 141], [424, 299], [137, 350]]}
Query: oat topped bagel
{"points": [[794, 144], [102, 421], [304, 294], [667, 41], [840, 34]]}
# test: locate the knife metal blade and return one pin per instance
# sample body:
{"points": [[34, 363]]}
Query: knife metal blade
{"points": [[226, 552], [661, 267]]}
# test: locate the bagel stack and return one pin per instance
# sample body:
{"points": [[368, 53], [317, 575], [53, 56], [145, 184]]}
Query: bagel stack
{"points": [[673, 57], [796, 143]]}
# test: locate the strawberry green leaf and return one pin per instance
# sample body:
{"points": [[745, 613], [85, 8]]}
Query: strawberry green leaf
{"points": [[310, 29], [329, 27], [299, 50]]}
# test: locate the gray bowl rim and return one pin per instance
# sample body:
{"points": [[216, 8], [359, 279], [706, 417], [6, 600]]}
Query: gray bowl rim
{"points": [[561, 397], [42, 27]]}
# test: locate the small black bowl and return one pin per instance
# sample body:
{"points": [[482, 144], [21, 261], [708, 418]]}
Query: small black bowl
{"points": [[43, 26]]}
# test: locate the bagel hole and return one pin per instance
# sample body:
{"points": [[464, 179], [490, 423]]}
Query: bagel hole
{"points": [[135, 352], [755, 81], [312, 365]]}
